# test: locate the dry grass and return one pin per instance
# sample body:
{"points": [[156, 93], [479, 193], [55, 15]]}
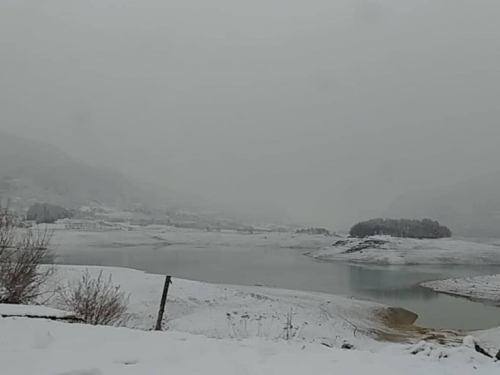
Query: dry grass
{"points": [[289, 331], [96, 300], [23, 252]]}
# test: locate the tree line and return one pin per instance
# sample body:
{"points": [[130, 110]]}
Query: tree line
{"points": [[425, 228], [47, 213]]}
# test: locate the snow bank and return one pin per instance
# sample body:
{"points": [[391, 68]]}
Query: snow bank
{"points": [[479, 288], [407, 251], [33, 311], [222, 311], [490, 336], [57, 348]]}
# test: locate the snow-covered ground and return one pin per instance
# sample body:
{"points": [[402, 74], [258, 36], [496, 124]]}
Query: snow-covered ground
{"points": [[33, 311], [267, 259], [407, 251], [220, 329], [39, 347], [490, 336], [380, 249], [160, 236], [480, 288], [222, 311]]}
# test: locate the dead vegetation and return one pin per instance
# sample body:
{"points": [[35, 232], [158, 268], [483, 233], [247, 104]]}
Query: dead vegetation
{"points": [[24, 254], [96, 301], [289, 331]]}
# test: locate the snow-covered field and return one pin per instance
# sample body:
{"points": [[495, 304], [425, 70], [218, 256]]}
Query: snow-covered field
{"points": [[67, 241], [222, 311], [39, 347], [407, 251], [221, 329], [480, 288]]}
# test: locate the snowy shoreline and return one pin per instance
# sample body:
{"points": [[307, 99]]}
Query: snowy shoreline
{"points": [[485, 289], [222, 329], [379, 250], [385, 250], [241, 312], [221, 258]]}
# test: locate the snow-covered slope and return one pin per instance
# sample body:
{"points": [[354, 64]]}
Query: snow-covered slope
{"points": [[390, 250], [489, 336], [480, 288], [222, 311], [46, 348]]}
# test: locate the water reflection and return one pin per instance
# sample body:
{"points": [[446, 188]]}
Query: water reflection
{"points": [[290, 269], [409, 293], [377, 282]]}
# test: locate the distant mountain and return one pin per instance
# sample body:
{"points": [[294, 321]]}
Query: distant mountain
{"points": [[34, 171], [469, 208]]}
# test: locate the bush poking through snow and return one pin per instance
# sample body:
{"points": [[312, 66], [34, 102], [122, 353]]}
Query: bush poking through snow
{"points": [[23, 252], [289, 331], [96, 300]]}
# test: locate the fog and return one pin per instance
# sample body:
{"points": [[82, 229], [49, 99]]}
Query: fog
{"points": [[322, 112]]}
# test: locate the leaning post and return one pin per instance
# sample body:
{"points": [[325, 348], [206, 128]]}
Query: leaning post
{"points": [[168, 281]]}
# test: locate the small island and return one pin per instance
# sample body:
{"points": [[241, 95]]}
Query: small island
{"points": [[425, 228], [406, 242]]}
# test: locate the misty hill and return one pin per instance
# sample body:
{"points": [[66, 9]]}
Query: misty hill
{"points": [[469, 208], [33, 171]]}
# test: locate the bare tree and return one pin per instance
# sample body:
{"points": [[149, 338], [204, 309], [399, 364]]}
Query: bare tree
{"points": [[24, 254], [96, 300]]}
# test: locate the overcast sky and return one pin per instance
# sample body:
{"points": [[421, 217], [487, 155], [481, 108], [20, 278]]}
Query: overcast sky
{"points": [[324, 110]]}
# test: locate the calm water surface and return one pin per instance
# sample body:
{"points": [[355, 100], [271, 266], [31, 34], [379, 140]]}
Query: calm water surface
{"points": [[290, 269]]}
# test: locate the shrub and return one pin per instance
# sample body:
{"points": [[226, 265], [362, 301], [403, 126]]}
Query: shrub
{"points": [[23, 254], [289, 331], [425, 228], [96, 300]]}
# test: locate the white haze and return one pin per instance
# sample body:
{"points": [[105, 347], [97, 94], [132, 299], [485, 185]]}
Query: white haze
{"points": [[322, 111]]}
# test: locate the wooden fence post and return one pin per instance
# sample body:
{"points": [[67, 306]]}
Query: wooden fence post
{"points": [[168, 281]]}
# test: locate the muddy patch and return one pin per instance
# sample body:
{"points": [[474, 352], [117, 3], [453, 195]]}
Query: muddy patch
{"points": [[400, 328]]}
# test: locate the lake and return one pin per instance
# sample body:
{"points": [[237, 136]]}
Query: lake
{"points": [[290, 269]]}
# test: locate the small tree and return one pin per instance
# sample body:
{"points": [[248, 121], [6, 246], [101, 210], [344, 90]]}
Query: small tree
{"points": [[23, 254], [96, 300]]}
